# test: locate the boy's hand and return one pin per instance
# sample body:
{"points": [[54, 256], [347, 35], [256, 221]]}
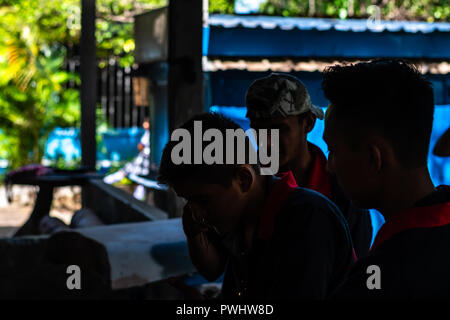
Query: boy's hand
{"points": [[193, 223]]}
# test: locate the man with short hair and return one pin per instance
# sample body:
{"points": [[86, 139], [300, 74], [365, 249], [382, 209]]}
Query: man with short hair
{"points": [[378, 129], [272, 239], [281, 101]]}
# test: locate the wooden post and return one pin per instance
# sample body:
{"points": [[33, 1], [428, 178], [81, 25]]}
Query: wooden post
{"points": [[88, 84], [185, 78]]}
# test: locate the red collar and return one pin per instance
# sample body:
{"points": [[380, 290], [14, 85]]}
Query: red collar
{"points": [[320, 179], [277, 197], [417, 217]]}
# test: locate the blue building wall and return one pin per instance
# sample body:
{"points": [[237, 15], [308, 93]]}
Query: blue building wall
{"points": [[227, 88]]}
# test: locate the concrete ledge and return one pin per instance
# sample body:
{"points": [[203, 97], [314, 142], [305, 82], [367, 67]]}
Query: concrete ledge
{"points": [[145, 252], [113, 205]]}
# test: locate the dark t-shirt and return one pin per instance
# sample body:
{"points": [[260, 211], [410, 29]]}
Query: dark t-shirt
{"points": [[302, 248], [412, 251]]}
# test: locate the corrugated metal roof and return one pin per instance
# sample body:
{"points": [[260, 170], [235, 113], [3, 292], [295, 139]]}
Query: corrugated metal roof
{"points": [[289, 65], [353, 25]]}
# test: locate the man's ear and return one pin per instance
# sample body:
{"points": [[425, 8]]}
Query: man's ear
{"points": [[309, 122], [245, 177], [375, 157], [381, 154]]}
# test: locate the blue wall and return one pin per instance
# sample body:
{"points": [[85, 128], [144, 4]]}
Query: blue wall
{"points": [[228, 88]]}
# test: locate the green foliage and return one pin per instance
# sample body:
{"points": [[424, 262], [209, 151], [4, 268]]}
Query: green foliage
{"points": [[426, 10], [221, 6], [36, 39], [33, 98], [114, 27]]}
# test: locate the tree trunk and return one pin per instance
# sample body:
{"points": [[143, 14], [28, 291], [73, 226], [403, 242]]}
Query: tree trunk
{"points": [[351, 8], [312, 8]]}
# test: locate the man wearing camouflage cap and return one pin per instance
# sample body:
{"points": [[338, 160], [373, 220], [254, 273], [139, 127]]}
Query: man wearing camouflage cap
{"points": [[281, 101]]}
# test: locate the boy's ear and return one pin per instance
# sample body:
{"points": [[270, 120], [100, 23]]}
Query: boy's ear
{"points": [[309, 122], [375, 157], [245, 176], [381, 153]]}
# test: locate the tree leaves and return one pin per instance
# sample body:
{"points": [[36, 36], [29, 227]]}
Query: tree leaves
{"points": [[425, 10], [34, 39]]}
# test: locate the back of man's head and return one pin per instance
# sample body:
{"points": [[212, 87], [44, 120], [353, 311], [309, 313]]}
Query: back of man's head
{"points": [[389, 98]]}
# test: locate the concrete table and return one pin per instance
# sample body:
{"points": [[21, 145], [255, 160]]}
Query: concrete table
{"points": [[144, 252]]}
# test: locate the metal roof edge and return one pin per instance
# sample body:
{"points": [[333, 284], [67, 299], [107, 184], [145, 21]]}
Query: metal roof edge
{"points": [[325, 24]]}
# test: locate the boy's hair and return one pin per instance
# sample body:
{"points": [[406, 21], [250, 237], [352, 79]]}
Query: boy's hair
{"points": [[172, 174], [390, 98]]}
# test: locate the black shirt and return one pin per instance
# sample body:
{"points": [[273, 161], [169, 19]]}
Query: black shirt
{"points": [[302, 248], [412, 251]]}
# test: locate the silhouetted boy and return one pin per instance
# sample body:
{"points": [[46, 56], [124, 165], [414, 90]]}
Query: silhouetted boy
{"points": [[272, 239], [282, 102], [378, 129]]}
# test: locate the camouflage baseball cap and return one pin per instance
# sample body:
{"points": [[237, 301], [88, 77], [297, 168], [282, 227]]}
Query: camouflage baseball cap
{"points": [[279, 94]]}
